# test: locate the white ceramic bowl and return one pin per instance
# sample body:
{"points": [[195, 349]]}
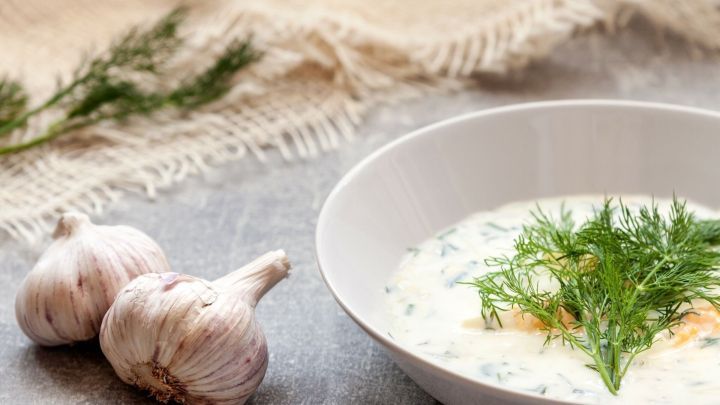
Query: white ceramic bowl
{"points": [[425, 181]]}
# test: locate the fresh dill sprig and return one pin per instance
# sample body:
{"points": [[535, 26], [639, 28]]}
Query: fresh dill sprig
{"points": [[107, 87], [12, 100], [624, 276], [211, 84]]}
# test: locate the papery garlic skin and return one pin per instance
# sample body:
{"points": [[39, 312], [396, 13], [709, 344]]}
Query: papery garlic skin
{"points": [[65, 296], [191, 341]]}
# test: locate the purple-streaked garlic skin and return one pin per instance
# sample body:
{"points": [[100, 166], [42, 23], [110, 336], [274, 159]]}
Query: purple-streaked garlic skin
{"points": [[64, 297], [188, 340]]}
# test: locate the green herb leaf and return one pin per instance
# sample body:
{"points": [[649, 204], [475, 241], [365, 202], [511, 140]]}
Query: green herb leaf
{"points": [[12, 101], [212, 83]]}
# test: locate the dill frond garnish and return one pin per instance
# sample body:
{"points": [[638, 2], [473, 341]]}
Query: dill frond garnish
{"points": [[624, 276], [109, 85]]}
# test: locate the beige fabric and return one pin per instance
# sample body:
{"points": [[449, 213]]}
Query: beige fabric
{"points": [[325, 64]]}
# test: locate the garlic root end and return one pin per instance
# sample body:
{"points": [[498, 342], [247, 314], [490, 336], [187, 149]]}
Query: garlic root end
{"points": [[159, 382]]}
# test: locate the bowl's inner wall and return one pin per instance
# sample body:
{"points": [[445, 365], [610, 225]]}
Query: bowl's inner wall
{"points": [[443, 174]]}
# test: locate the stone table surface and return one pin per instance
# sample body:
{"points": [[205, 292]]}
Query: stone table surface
{"points": [[217, 222]]}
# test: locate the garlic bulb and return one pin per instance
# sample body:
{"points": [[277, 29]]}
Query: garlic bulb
{"points": [[65, 296], [188, 340]]}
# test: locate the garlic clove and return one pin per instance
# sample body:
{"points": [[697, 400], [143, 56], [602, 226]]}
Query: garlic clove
{"points": [[64, 297], [188, 340]]}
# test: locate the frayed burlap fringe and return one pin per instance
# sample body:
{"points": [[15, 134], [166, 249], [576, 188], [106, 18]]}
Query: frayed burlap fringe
{"points": [[325, 64]]}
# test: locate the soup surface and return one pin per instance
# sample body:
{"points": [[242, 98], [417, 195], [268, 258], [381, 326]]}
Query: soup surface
{"points": [[436, 317]]}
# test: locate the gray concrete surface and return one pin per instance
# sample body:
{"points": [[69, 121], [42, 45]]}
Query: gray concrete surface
{"points": [[213, 224]]}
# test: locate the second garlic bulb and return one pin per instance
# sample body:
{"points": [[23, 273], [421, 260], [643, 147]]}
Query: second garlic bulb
{"points": [[188, 340], [65, 296]]}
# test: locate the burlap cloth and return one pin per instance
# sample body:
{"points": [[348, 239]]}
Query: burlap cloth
{"points": [[325, 64]]}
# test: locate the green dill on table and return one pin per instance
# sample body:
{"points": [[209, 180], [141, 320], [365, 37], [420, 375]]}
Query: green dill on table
{"points": [[623, 275], [106, 87]]}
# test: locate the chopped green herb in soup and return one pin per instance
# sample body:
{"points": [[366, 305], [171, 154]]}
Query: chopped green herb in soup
{"points": [[583, 299]]}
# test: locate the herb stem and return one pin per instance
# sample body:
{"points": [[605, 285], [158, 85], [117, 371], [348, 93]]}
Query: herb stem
{"points": [[628, 361], [52, 131], [603, 370], [21, 120], [650, 274]]}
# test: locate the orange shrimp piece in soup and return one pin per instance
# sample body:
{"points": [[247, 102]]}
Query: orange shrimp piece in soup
{"points": [[703, 321], [521, 321], [530, 323]]}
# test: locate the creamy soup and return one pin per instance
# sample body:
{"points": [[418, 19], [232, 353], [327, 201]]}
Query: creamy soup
{"points": [[439, 319]]}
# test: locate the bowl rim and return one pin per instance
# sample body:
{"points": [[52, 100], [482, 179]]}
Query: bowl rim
{"points": [[324, 219]]}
